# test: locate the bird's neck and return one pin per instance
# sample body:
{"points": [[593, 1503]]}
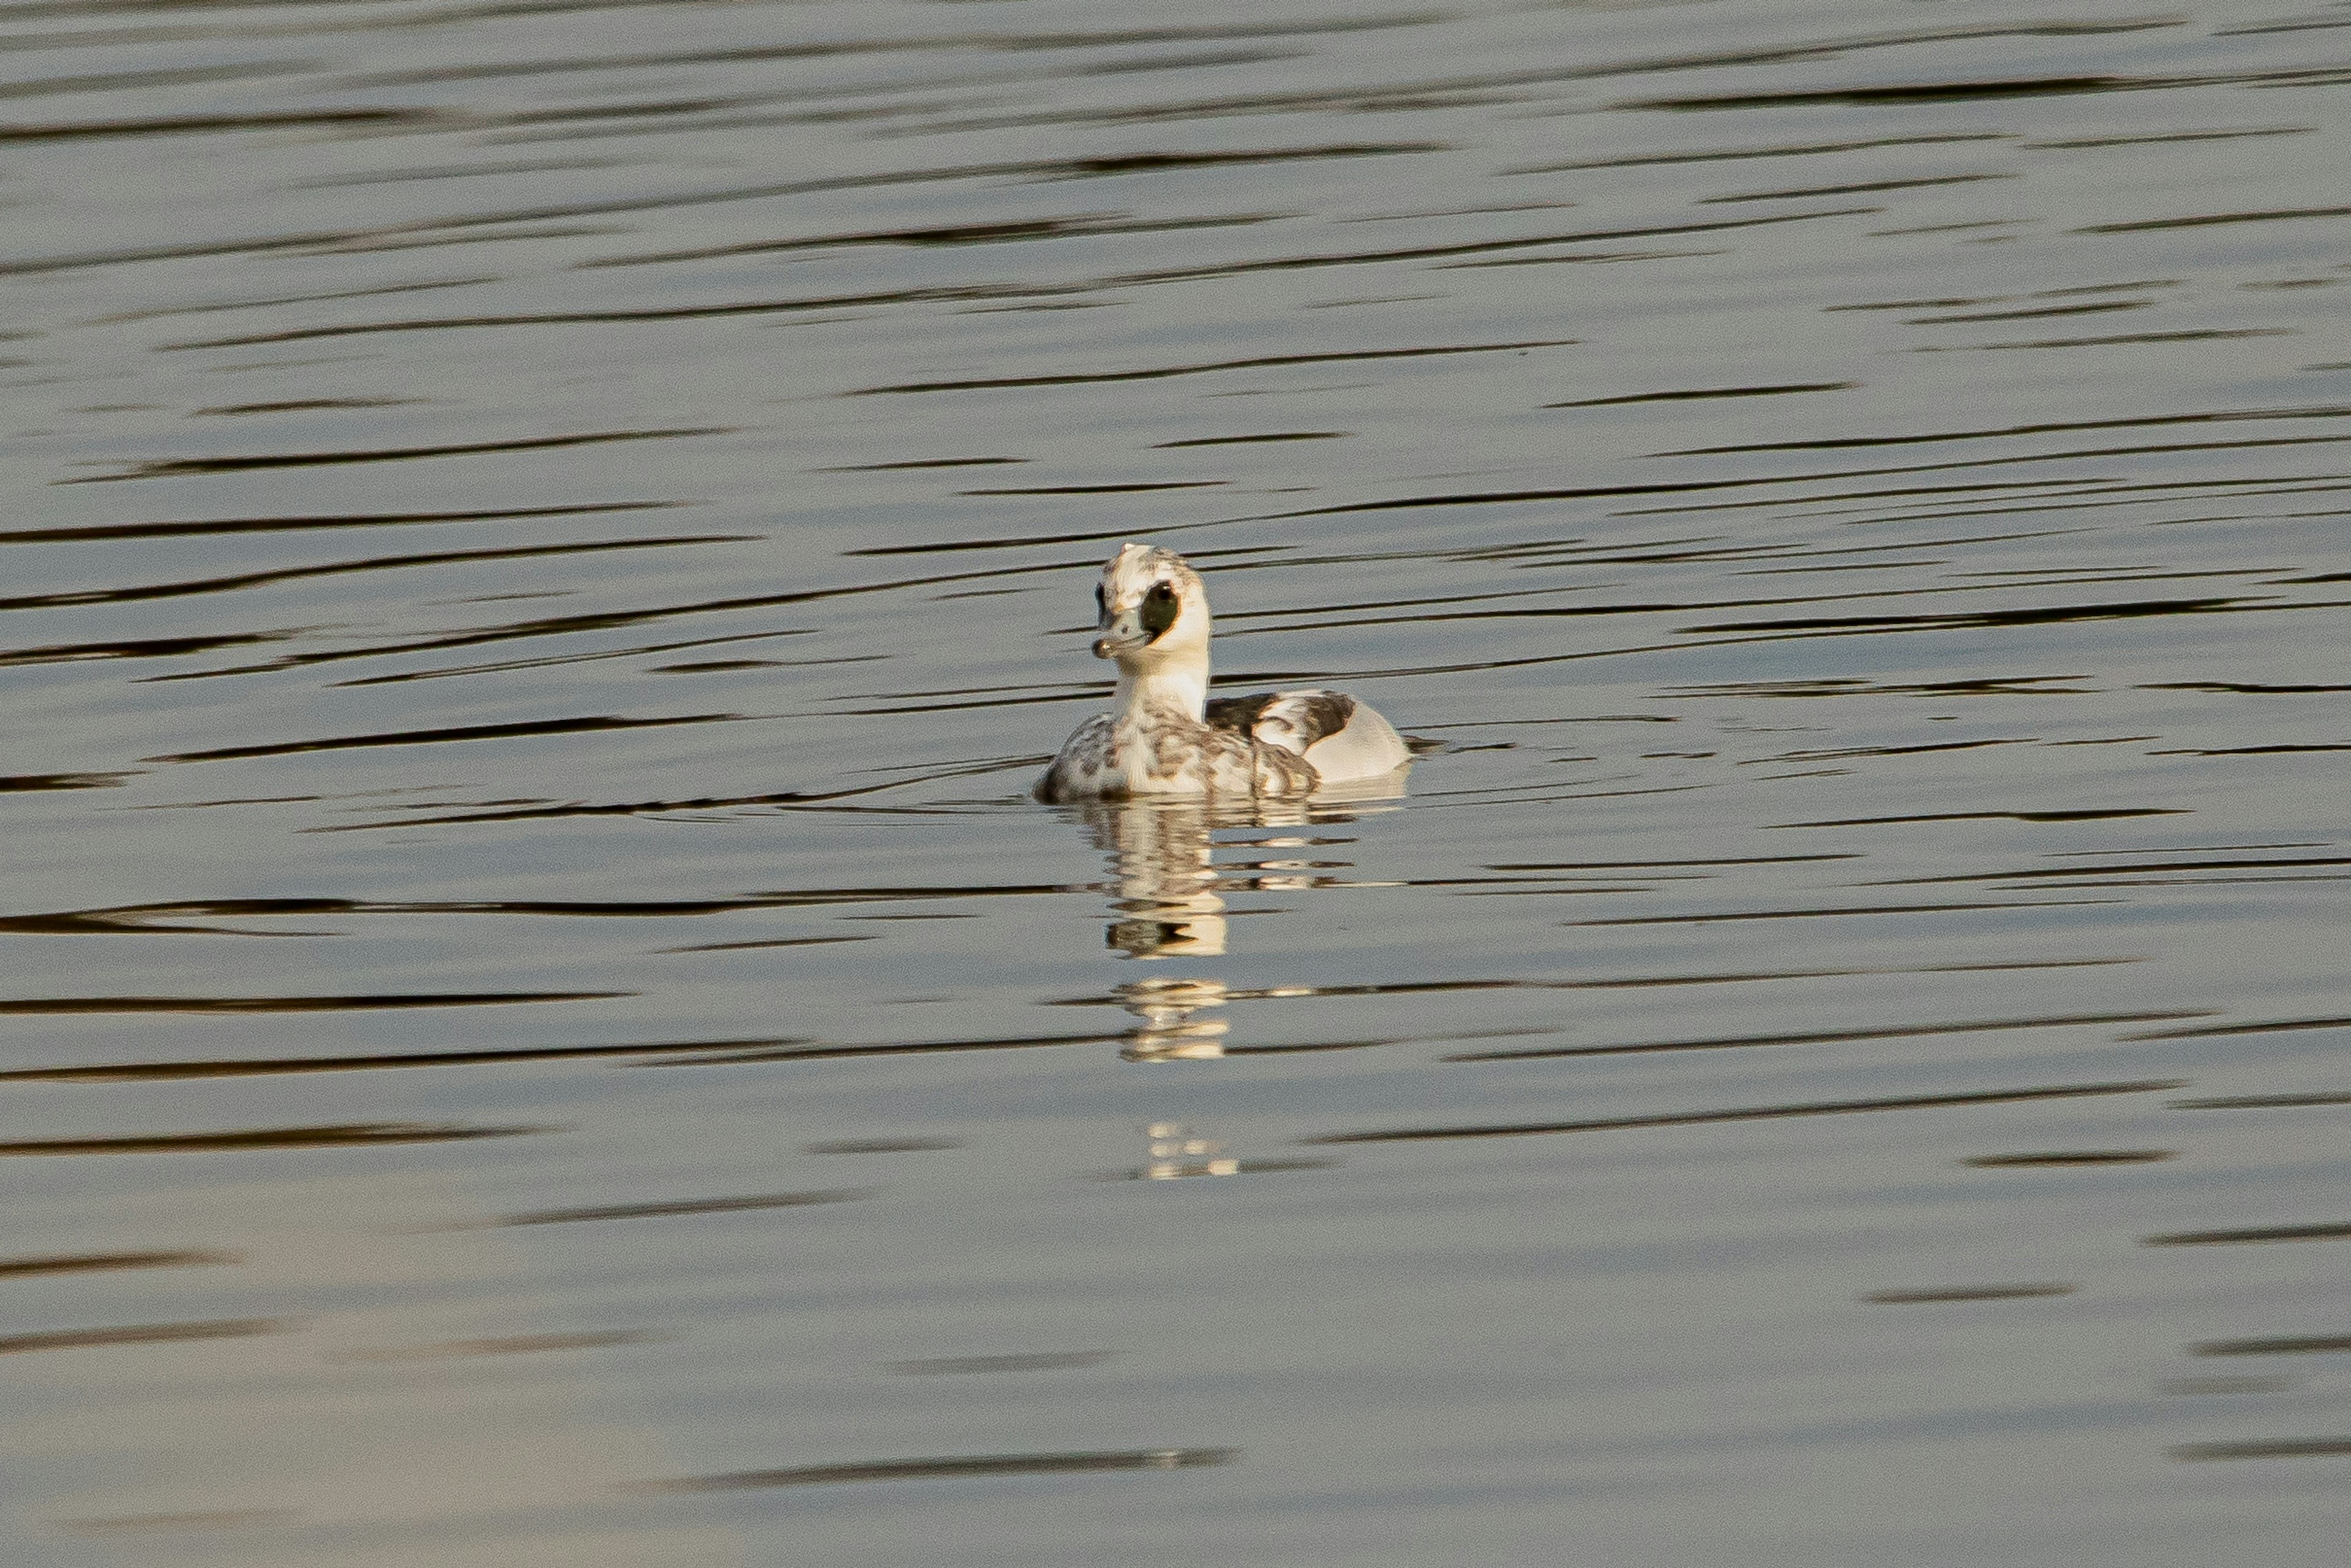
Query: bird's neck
{"points": [[1178, 683]]}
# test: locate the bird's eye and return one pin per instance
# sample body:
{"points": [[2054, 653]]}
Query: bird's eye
{"points": [[1160, 609]]}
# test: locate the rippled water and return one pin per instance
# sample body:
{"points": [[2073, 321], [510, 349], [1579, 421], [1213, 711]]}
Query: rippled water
{"points": [[549, 541]]}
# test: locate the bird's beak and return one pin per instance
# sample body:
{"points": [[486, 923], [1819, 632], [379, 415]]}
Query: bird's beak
{"points": [[1121, 632]]}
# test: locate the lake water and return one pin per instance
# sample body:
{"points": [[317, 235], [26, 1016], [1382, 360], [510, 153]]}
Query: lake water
{"points": [[546, 543]]}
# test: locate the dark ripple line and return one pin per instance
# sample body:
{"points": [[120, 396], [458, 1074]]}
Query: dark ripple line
{"points": [[59, 1006], [1721, 154], [954, 1469], [918, 463], [352, 1135], [182, 1519], [1823, 913], [2057, 489], [2270, 1026], [303, 405], [1755, 1112], [1074, 226], [1630, 982], [2117, 868], [2063, 144], [1897, 95], [327, 520], [1476, 247], [2186, 882], [2087, 308], [2083, 814], [833, 48], [2003, 432], [936, 295], [2200, 336], [2334, 1231], [901, 1047], [1862, 187], [1161, 372], [798, 799], [592, 724], [32, 783], [269, 1066], [1136, 487], [143, 917], [1841, 753], [171, 467], [502, 1344], [1857, 686], [139, 80], [2046, 615], [2181, 491], [340, 568], [1948, 1293], [2289, 1344], [1574, 259], [1247, 440], [958, 1365], [632, 650], [2216, 219], [1779, 391], [141, 647], [1416, 94], [1019, 541], [2280, 749], [1930, 93], [2264, 1102], [2063, 1159], [211, 124], [889, 106], [275, 301], [100, 1263], [1662, 865], [142, 1333], [1825, 1037], [681, 1207], [2266, 1448], [2284, 25]]}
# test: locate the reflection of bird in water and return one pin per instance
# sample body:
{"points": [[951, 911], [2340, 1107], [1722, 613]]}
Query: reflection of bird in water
{"points": [[1167, 738], [1168, 1031], [1163, 858], [1175, 1153], [1168, 899], [1162, 852]]}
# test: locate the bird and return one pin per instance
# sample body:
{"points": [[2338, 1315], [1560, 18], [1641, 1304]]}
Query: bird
{"points": [[1167, 739]]}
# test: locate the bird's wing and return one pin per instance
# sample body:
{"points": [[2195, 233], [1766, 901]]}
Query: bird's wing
{"points": [[1291, 720]]}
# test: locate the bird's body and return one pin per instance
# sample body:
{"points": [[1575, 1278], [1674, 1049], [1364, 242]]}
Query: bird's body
{"points": [[1166, 738]]}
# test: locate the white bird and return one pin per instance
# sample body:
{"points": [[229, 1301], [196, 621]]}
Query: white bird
{"points": [[1167, 739]]}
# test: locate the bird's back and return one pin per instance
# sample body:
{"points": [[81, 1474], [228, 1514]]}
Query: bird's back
{"points": [[1342, 738]]}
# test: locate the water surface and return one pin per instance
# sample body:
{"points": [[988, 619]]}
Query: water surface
{"points": [[540, 1026]]}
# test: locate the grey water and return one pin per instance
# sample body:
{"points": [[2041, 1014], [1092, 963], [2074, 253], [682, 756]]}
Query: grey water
{"points": [[544, 544]]}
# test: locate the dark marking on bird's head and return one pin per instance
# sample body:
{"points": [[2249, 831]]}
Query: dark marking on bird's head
{"points": [[1161, 605]]}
